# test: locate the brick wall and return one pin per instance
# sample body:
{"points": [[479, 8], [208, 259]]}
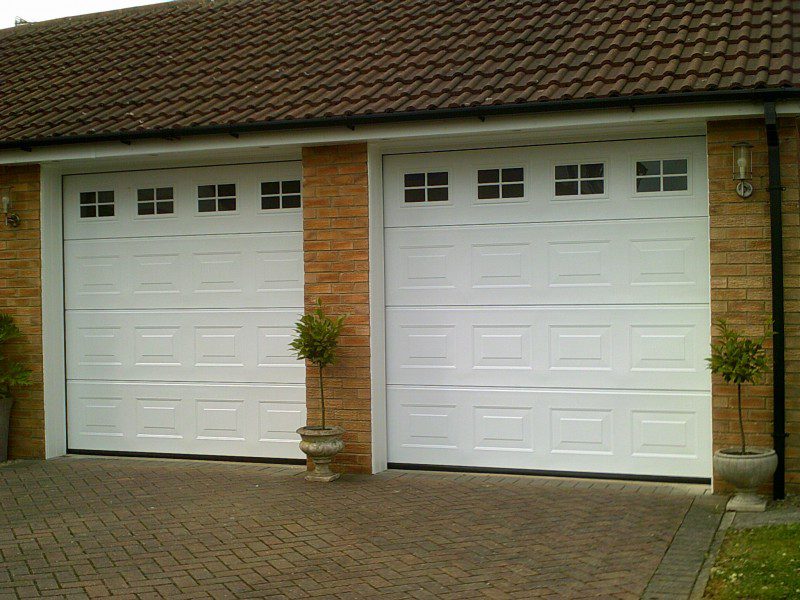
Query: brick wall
{"points": [[20, 296], [741, 277], [336, 245]]}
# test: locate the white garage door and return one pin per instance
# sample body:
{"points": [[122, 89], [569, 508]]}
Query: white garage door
{"points": [[548, 308], [182, 286]]}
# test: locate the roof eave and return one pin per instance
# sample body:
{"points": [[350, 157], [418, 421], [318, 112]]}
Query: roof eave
{"points": [[761, 95]]}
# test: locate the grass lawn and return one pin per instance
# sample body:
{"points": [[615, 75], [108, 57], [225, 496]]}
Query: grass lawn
{"points": [[757, 563]]}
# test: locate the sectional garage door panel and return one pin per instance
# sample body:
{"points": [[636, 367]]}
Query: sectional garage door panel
{"points": [[547, 308], [619, 199], [618, 262], [249, 270], [179, 418], [181, 290], [601, 431], [653, 347], [198, 345]]}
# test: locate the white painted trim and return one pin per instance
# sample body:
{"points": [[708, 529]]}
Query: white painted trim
{"points": [[664, 120], [52, 251], [377, 310]]}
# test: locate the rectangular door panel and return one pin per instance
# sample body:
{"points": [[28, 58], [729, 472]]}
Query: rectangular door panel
{"points": [[638, 347], [600, 431]]}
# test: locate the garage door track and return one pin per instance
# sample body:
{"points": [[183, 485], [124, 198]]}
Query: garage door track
{"points": [[138, 528]]}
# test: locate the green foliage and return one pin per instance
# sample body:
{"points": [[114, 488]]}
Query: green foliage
{"points": [[316, 340], [736, 358], [12, 374], [317, 337], [757, 563]]}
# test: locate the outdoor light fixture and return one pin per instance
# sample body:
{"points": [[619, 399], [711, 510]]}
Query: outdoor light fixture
{"points": [[743, 168], [12, 219]]}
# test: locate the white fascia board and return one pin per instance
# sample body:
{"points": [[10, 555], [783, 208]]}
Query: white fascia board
{"points": [[203, 148]]}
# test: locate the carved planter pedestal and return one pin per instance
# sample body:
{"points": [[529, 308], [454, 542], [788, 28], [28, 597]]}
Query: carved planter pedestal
{"points": [[746, 472], [321, 445]]}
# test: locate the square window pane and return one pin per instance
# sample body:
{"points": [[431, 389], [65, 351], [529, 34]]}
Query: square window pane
{"points": [[227, 189], [414, 179], [648, 184], [676, 183], [291, 187], [105, 210], [512, 175], [292, 201], [106, 197], [270, 188], [438, 178], [206, 191], [567, 172], [592, 170], [514, 190], [270, 202], [648, 167], [595, 186], [488, 192], [88, 197], [437, 194], [165, 207], [165, 193], [489, 176], [206, 205], [566, 188], [417, 195], [145, 195], [146, 208], [676, 167], [226, 204], [88, 211]]}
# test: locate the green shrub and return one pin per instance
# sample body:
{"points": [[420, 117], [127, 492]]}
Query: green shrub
{"points": [[316, 340], [12, 374], [738, 359]]}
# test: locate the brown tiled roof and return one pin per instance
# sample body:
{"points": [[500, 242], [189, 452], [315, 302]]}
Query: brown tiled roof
{"points": [[197, 63]]}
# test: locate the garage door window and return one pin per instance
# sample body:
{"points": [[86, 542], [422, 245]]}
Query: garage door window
{"points": [[216, 198], [670, 175], [426, 187], [280, 194], [584, 179], [496, 184], [152, 202], [97, 204]]}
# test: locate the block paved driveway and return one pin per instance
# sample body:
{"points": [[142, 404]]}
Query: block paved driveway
{"points": [[138, 528]]}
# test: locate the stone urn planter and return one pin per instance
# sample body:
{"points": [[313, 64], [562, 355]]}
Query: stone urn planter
{"points": [[321, 445], [746, 472], [6, 402], [316, 340]]}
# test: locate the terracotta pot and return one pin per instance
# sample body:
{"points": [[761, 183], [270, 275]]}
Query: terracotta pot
{"points": [[6, 402], [746, 473], [321, 445]]}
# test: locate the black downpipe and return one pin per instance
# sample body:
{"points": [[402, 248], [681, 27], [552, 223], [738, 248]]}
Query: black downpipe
{"points": [[778, 343]]}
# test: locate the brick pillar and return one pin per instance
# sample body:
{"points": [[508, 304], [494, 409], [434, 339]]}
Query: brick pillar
{"points": [[741, 277], [336, 246], [21, 297]]}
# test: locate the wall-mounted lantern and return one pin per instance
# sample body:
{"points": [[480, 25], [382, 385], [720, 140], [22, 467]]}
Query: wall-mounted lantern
{"points": [[743, 168], [11, 218]]}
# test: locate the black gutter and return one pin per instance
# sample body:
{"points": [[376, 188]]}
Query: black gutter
{"points": [[778, 339], [632, 102]]}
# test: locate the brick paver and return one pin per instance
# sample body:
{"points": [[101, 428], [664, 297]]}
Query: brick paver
{"points": [[137, 528]]}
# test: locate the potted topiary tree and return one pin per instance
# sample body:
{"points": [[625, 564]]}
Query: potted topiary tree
{"points": [[740, 360], [317, 338], [12, 374]]}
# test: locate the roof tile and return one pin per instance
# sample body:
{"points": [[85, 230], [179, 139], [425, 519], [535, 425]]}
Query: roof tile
{"points": [[201, 62]]}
